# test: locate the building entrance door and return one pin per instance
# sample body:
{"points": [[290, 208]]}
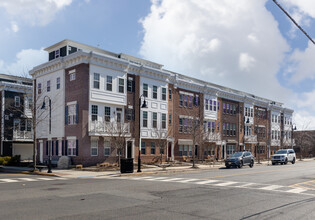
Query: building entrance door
{"points": [[129, 149]]}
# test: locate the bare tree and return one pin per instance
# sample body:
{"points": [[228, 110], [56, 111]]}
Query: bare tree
{"points": [[303, 139], [161, 140], [119, 133]]}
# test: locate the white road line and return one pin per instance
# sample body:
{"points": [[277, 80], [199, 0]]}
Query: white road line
{"points": [[296, 190], [9, 180], [225, 184], [157, 178], [43, 178], [245, 185], [27, 179], [141, 177], [271, 187], [172, 179], [187, 180], [207, 181]]}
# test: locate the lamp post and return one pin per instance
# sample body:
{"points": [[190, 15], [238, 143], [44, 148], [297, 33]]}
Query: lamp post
{"points": [[144, 105], [49, 154], [293, 129]]}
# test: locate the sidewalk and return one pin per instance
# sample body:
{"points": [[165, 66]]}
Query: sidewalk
{"points": [[151, 170]]}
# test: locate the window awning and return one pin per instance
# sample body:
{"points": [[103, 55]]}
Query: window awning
{"points": [[185, 142]]}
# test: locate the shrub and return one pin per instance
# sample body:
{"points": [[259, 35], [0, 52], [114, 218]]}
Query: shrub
{"points": [[15, 160], [4, 160]]}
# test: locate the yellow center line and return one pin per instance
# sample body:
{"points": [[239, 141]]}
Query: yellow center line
{"points": [[241, 174]]}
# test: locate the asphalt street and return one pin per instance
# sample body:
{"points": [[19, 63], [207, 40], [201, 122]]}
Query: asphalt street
{"points": [[262, 192]]}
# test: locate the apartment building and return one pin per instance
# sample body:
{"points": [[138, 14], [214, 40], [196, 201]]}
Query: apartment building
{"points": [[16, 117], [89, 93]]}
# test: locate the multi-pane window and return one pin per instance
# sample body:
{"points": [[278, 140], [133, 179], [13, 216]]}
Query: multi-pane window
{"points": [[72, 76], [96, 81], [180, 125], [227, 129], [154, 120], [214, 105], [180, 148], [234, 109], [94, 112], [145, 119], [210, 105], [118, 114], [94, 147], [17, 101], [58, 83], [130, 84], [224, 108], [190, 100], [106, 148], [170, 119], [154, 92], [121, 85], [16, 124], [152, 147], [72, 114], [145, 90], [163, 93], [230, 149], [39, 88], [224, 129], [163, 121], [48, 86], [206, 104], [186, 100], [109, 83], [197, 100], [185, 150], [142, 147], [180, 100], [129, 114], [170, 94], [72, 148], [234, 129], [107, 114]]}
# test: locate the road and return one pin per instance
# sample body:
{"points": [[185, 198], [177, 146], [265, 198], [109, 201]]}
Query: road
{"points": [[262, 192]]}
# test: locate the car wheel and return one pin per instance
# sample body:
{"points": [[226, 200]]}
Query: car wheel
{"points": [[241, 164], [293, 161], [227, 167], [251, 164], [273, 163], [286, 161]]}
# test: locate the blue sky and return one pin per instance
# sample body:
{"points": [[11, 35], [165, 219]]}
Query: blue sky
{"points": [[247, 45]]}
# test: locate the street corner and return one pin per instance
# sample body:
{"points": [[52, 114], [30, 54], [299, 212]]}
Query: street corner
{"points": [[40, 173]]}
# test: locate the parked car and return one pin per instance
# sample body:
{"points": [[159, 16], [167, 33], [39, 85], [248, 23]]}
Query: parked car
{"points": [[239, 159], [283, 156]]}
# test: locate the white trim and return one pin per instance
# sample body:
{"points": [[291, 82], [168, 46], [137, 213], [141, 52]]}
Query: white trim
{"points": [[71, 71], [186, 93], [71, 138], [72, 103]]}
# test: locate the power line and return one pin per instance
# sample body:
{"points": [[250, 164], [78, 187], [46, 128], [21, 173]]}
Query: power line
{"points": [[275, 1]]}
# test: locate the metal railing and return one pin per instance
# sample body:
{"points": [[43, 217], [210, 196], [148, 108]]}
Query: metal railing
{"points": [[110, 128], [22, 135], [250, 138], [212, 136]]}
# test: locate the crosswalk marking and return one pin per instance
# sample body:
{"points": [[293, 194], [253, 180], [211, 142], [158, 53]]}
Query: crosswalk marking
{"points": [[271, 187], [9, 180], [187, 180], [225, 184], [296, 190], [172, 179], [27, 179], [44, 178], [207, 182], [245, 185]]}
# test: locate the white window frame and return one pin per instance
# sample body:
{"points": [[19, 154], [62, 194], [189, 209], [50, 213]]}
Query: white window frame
{"points": [[109, 83], [107, 146], [72, 148], [121, 86], [72, 114], [96, 79], [93, 140], [58, 83], [17, 101]]}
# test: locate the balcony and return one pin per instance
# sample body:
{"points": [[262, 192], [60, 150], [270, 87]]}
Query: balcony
{"points": [[212, 136], [22, 135], [250, 139], [99, 128]]}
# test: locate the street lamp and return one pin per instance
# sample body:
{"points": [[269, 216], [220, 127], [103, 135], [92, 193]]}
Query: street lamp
{"points": [[44, 107], [144, 105], [293, 129]]}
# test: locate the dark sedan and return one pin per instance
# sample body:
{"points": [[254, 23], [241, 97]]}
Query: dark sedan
{"points": [[239, 159]]}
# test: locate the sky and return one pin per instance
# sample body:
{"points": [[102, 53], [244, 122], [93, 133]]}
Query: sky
{"points": [[247, 45]]}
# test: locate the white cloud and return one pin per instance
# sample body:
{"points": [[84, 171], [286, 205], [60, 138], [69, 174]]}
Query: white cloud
{"points": [[14, 27], [33, 12], [234, 44], [25, 61]]}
